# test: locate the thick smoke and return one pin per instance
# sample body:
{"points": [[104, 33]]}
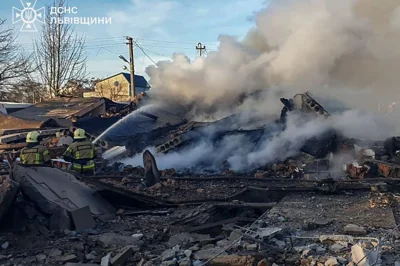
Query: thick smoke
{"points": [[346, 49], [244, 154], [342, 51]]}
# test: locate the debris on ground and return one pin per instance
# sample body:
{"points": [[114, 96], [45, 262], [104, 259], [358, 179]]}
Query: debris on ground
{"points": [[314, 208]]}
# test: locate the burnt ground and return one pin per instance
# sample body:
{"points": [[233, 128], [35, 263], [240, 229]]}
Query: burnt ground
{"points": [[167, 235]]}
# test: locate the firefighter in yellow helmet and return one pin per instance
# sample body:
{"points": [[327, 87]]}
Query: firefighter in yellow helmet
{"points": [[34, 153], [81, 153]]}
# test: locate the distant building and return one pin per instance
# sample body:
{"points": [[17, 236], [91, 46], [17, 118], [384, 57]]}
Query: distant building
{"points": [[117, 87]]}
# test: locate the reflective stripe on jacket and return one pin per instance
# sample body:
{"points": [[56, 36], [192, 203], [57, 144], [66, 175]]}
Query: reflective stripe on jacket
{"points": [[82, 155], [35, 156], [83, 167]]}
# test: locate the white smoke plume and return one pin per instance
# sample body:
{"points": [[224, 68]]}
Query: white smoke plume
{"points": [[346, 49], [244, 154], [343, 50]]}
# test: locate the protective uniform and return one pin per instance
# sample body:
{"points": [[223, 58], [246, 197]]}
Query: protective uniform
{"points": [[34, 153], [81, 153]]}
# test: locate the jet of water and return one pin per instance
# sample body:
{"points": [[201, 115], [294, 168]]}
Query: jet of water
{"points": [[124, 120]]}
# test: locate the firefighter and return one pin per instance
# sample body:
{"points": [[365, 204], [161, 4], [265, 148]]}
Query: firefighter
{"points": [[34, 153], [81, 153]]}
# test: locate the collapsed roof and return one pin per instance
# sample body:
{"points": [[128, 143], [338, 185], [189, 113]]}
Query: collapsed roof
{"points": [[8, 122], [60, 109]]}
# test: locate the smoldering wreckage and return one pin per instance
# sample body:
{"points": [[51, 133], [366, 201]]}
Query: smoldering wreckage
{"points": [[323, 199]]}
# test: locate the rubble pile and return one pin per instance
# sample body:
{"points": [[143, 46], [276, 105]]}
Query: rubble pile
{"points": [[334, 202]]}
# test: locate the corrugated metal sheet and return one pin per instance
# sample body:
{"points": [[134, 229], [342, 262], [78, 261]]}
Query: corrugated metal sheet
{"points": [[10, 122], [58, 108]]}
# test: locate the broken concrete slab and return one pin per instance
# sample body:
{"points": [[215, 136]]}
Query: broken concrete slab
{"points": [[5, 245], [122, 256], [235, 235], [336, 247], [54, 253], [317, 223], [82, 219], [60, 220], [185, 238], [252, 247], [266, 233], [117, 240], [188, 253], [52, 189], [8, 193], [106, 260], [208, 253], [137, 236], [91, 256], [168, 254], [185, 262], [41, 257], [169, 263], [68, 258], [353, 229]]}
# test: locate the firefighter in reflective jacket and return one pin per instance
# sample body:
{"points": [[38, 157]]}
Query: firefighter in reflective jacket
{"points": [[81, 153], [34, 153]]}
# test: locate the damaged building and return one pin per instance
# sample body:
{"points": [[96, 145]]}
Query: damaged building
{"points": [[311, 206]]}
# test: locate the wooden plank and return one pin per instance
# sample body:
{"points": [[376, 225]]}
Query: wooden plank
{"points": [[15, 146], [4, 132], [21, 136]]}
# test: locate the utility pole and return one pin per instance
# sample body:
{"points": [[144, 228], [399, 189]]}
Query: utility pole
{"points": [[132, 66], [200, 48]]}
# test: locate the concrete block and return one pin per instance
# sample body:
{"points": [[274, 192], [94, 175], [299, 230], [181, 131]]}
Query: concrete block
{"points": [[122, 256], [82, 219], [68, 258], [106, 260], [60, 221]]}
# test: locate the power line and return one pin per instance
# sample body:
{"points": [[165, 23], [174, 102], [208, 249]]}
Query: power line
{"points": [[144, 52], [143, 39], [93, 39], [102, 48], [88, 47], [149, 51], [190, 43]]}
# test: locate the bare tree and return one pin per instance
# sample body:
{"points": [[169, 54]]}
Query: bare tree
{"points": [[59, 53], [24, 90], [14, 65], [76, 88]]}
